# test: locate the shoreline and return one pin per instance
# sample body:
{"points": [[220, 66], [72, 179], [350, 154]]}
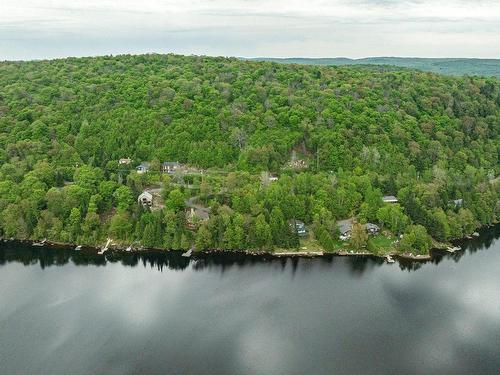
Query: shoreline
{"points": [[446, 247]]}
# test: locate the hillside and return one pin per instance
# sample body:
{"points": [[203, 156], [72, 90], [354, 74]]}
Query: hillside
{"points": [[448, 66], [337, 139]]}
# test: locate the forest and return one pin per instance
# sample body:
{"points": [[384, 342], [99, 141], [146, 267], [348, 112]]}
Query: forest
{"points": [[260, 146], [448, 66]]}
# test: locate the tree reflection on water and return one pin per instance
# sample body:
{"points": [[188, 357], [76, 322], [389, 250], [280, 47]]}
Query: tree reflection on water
{"points": [[173, 260]]}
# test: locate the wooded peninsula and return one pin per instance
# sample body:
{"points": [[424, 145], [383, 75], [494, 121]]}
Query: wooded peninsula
{"points": [[178, 152]]}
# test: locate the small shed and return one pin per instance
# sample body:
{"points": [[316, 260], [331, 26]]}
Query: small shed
{"points": [[169, 166], [145, 198], [143, 168], [389, 199], [458, 203]]}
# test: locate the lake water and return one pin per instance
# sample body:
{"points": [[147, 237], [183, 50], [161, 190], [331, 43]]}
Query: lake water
{"points": [[63, 312]]}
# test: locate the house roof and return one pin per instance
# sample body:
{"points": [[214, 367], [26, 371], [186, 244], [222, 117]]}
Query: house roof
{"points": [[296, 222], [145, 195], [144, 164], [197, 213], [371, 226], [170, 164], [345, 227], [389, 198]]}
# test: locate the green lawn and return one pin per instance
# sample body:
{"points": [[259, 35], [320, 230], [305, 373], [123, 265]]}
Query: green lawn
{"points": [[377, 245], [381, 244]]}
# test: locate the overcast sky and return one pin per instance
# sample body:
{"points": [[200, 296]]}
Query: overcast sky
{"points": [[275, 28]]}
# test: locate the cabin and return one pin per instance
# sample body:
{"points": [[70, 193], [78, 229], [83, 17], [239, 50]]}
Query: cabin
{"points": [[298, 227], [169, 166], [146, 199], [345, 229], [125, 161], [273, 178], [372, 228], [195, 216], [389, 199], [143, 168], [458, 203]]}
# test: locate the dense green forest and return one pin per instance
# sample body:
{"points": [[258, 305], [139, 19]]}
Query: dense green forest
{"points": [[261, 145], [448, 66]]}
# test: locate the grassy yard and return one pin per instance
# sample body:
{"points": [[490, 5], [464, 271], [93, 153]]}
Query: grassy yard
{"points": [[310, 244], [378, 245], [381, 244]]}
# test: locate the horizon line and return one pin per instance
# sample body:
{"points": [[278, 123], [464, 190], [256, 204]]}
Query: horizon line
{"points": [[252, 57]]}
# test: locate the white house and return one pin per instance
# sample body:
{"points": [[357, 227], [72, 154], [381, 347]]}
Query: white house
{"points": [[169, 167], [146, 199], [125, 161], [390, 199]]}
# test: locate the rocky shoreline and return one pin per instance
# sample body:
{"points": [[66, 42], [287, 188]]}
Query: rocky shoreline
{"points": [[252, 253], [268, 254]]}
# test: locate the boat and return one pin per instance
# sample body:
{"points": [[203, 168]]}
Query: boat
{"points": [[188, 253], [41, 243], [475, 234], [389, 259], [78, 248], [453, 249], [128, 249]]}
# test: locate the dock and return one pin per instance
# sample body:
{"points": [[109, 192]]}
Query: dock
{"points": [[416, 257], [105, 248], [352, 253]]}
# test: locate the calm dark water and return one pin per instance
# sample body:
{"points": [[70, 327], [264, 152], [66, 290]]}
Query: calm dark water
{"points": [[63, 312]]}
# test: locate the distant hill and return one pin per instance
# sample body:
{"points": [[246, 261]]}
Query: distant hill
{"points": [[448, 66]]}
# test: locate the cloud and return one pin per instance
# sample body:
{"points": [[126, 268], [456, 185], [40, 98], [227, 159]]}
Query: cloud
{"points": [[313, 28]]}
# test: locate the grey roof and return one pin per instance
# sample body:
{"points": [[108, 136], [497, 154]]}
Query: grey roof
{"points": [[170, 164], [197, 213], [371, 226], [345, 227]]}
